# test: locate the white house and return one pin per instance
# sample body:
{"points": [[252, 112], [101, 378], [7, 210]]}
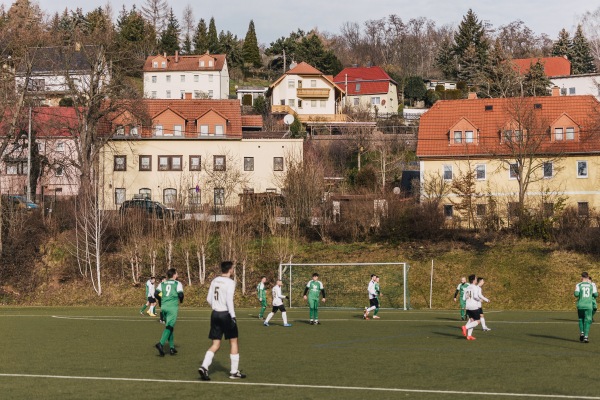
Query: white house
{"points": [[369, 88], [308, 93], [247, 94], [572, 85], [169, 77]]}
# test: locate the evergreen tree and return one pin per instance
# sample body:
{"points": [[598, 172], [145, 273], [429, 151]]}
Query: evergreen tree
{"points": [[445, 60], [471, 65], [535, 82], [136, 37], [230, 45], [169, 40], [498, 77], [415, 89], [471, 33], [582, 61], [310, 49], [284, 44], [562, 47], [186, 47], [213, 38], [200, 38], [250, 51]]}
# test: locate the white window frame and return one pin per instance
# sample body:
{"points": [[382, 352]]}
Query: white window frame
{"points": [[480, 168], [469, 137], [120, 195], [313, 83], [219, 130], [376, 100], [168, 78], [196, 78], [182, 78], [154, 78], [457, 137], [168, 94], [447, 169], [291, 84], [582, 162], [178, 130], [204, 130], [210, 77], [169, 196], [559, 134], [158, 130], [570, 133], [511, 169]]}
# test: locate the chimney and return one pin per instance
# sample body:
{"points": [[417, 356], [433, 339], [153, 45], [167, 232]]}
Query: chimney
{"points": [[165, 54], [176, 56], [188, 95], [555, 91], [472, 95]]}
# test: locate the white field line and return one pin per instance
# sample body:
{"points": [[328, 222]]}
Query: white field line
{"points": [[284, 385]]}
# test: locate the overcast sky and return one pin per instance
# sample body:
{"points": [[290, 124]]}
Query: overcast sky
{"points": [[276, 18]]}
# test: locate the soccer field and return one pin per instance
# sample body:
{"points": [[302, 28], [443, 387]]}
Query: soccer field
{"points": [[106, 353]]}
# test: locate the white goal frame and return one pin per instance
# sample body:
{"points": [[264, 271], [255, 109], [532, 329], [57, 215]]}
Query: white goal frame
{"points": [[284, 267]]}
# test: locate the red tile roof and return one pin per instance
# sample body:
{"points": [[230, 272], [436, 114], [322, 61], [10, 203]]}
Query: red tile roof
{"points": [[553, 66], [434, 139], [372, 80], [186, 63], [304, 69], [252, 120], [46, 121]]}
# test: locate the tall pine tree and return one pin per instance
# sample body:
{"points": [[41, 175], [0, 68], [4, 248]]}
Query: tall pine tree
{"points": [[582, 61], [250, 51], [535, 82], [213, 38], [169, 40], [470, 38], [201, 38], [562, 46]]}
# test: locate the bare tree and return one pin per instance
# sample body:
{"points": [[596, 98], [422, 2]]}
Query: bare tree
{"points": [[155, 12], [591, 26]]}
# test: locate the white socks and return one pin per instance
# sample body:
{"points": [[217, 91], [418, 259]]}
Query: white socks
{"points": [[235, 362], [483, 325], [269, 317], [208, 357], [470, 325], [284, 316], [370, 309]]}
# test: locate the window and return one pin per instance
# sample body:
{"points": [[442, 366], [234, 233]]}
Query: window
{"points": [[356, 101], [146, 193], [582, 169], [195, 197], [169, 163], [468, 136], [60, 171], [571, 91], [519, 135], [196, 78], [299, 103], [163, 64], [219, 163], [219, 196], [271, 190], [195, 163], [210, 78], [120, 195], [210, 63], [134, 131], [507, 135], [219, 130], [153, 95], [182, 94], [299, 84], [204, 130], [158, 130], [570, 133], [182, 78], [202, 63], [480, 172], [313, 83], [291, 84], [277, 163], [457, 136], [480, 210], [145, 163], [558, 133], [583, 209], [292, 102], [178, 130], [313, 103], [563, 91], [155, 64], [120, 163], [448, 210], [168, 78], [168, 94], [153, 78], [323, 103], [513, 171], [448, 172], [170, 196], [16, 168], [120, 131], [60, 147], [358, 87], [210, 94], [376, 100], [548, 169], [196, 94], [248, 163]]}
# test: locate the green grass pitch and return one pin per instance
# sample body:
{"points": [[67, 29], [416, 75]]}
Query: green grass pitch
{"points": [[108, 353]]}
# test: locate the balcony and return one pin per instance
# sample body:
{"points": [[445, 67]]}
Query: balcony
{"points": [[313, 93], [276, 109]]}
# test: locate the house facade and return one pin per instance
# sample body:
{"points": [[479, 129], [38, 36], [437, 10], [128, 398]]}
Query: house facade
{"points": [[368, 88], [191, 155], [307, 93], [205, 76], [576, 85], [492, 146]]}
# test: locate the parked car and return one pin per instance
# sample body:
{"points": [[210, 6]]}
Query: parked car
{"points": [[149, 208], [19, 202]]}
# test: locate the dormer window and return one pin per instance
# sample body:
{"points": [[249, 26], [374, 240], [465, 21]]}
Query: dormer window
{"points": [[163, 64], [201, 63], [558, 134], [155, 64], [358, 87], [457, 136], [564, 133], [210, 63], [468, 136], [120, 130]]}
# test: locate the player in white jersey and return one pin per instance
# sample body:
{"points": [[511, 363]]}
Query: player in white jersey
{"points": [[222, 322], [484, 327], [150, 298], [278, 305], [373, 301], [472, 298]]}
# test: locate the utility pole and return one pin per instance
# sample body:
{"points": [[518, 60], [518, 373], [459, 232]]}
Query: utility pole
{"points": [[29, 158], [284, 62]]}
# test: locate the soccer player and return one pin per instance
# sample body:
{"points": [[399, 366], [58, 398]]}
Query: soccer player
{"points": [[170, 295], [594, 302], [222, 322], [585, 292], [161, 314], [472, 298], [150, 299], [460, 291], [313, 288], [480, 282], [262, 296], [379, 295], [373, 301], [278, 305]]}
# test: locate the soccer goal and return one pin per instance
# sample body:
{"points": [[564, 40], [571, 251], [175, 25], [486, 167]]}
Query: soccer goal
{"points": [[346, 283]]}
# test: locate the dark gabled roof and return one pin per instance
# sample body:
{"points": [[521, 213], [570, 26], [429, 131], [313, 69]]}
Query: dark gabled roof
{"points": [[57, 59]]}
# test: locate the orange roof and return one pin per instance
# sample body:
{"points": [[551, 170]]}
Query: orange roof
{"points": [[553, 66], [252, 120], [490, 117], [186, 63], [304, 69]]}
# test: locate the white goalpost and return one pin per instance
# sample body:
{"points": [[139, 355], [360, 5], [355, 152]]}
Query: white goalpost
{"points": [[346, 283]]}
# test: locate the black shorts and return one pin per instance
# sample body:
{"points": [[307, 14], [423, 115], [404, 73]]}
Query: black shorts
{"points": [[480, 310], [151, 300], [280, 308], [374, 302], [222, 324], [474, 315]]}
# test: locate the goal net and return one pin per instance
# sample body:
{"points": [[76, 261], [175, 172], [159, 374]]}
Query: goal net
{"points": [[346, 283]]}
